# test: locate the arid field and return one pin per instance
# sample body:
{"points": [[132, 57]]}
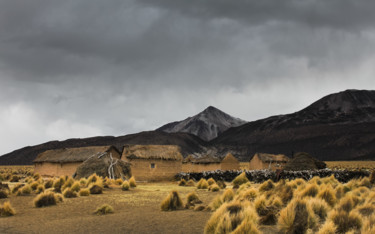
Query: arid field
{"points": [[64, 205]]}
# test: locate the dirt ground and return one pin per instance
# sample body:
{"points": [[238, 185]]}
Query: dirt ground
{"points": [[135, 211]]}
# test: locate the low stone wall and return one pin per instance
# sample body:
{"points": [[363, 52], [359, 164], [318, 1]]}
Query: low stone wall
{"points": [[259, 176]]}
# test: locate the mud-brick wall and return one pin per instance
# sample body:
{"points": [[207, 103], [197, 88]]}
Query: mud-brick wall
{"points": [[56, 169], [163, 169], [195, 167]]}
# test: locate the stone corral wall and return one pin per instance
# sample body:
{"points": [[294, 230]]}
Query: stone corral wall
{"points": [[154, 169], [56, 169], [199, 167]]}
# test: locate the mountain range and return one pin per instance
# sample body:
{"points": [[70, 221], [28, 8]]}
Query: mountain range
{"points": [[340, 126]]}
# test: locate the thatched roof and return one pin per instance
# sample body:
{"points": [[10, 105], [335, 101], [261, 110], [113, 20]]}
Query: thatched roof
{"points": [[230, 158], [267, 158], [67, 155], [304, 161], [202, 160], [165, 152]]}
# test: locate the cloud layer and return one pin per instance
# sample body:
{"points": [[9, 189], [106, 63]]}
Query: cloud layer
{"points": [[84, 68]]}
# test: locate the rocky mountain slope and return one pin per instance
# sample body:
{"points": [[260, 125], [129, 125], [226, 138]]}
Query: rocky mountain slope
{"points": [[207, 125], [340, 126], [188, 143]]}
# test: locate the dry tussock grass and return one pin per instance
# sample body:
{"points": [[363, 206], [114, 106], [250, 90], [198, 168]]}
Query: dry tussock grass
{"points": [[6, 210], [320, 205], [172, 202]]}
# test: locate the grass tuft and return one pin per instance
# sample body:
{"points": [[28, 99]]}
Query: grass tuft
{"points": [[125, 186], [240, 179], [132, 182], [104, 209], [202, 184], [172, 202], [69, 193], [84, 192], [7, 210], [46, 199]]}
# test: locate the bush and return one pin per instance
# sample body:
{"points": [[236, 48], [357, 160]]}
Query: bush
{"points": [[83, 182], [125, 186], [132, 182], [104, 209], [92, 179], [7, 210], [46, 199], [84, 192], [192, 197], [95, 189], [202, 184], [241, 179], [266, 186], [182, 182], [190, 183], [172, 202], [69, 193]]}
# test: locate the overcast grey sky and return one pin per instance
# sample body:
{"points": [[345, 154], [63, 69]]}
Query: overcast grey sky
{"points": [[83, 68]]}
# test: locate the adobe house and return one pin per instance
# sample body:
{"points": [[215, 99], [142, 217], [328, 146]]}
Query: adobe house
{"points": [[210, 163], [206, 163], [153, 162], [268, 161], [59, 162], [229, 162]]}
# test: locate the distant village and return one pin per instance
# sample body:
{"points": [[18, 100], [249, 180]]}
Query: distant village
{"points": [[144, 162]]}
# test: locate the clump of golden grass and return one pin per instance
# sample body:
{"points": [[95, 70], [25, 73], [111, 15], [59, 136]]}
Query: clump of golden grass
{"points": [[296, 217], [132, 182], [3, 193], [7, 210], [214, 188], [345, 221], [14, 178], [68, 183], [34, 185], [40, 188], [372, 177], [266, 186], [172, 202], [202, 184], [25, 190], [228, 195], [319, 207], [92, 179], [118, 181], [329, 227], [328, 195], [17, 187], [48, 184], [215, 203], [75, 186], [192, 197], [233, 217], [365, 182], [46, 199], [248, 194], [311, 190], [104, 209], [36, 176], [221, 184], [182, 182], [190, 183], [125, 186], [240, 179], [84, 192], [83, 182], [211, 181], [365, 209], [58, 183], [69, 193], [96, 189]]}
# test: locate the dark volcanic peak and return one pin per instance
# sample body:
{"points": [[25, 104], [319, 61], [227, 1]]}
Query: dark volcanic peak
{"points": [[207, 125], [339, 126]]}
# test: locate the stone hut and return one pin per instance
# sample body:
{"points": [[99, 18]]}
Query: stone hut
{"points": [[262, 161], [153, 162], [65, 161]]}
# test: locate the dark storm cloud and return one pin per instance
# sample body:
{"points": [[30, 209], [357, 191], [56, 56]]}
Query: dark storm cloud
{"points": [[82, 68]]}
